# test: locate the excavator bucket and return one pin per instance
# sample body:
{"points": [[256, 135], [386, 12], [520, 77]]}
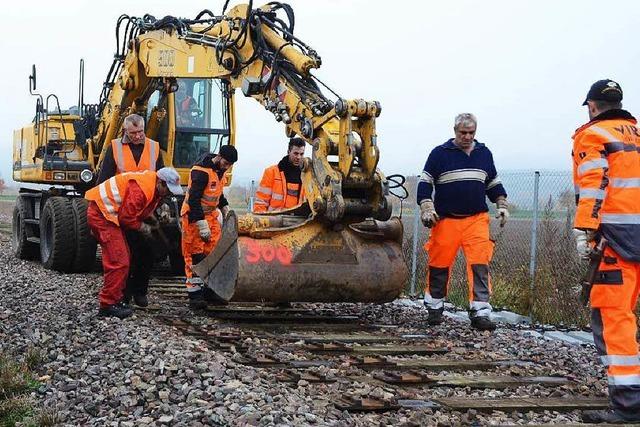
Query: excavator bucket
{"points": [[285, 258]]}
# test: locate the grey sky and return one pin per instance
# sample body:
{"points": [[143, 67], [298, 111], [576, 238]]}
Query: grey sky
{"points": [[523, 67]]}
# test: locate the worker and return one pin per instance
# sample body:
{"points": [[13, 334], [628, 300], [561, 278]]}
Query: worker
{"points": [[203, 205], [134, 152], [606, 173], [463, 174], [281, 184], [122, 203], [187, 108]]}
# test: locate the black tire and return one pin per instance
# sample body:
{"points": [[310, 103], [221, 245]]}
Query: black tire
{"points": [[84, 257], [57, 234], [22, 248]]}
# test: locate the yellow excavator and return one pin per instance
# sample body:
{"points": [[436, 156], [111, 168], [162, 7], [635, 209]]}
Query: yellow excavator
{"points": [[342, 244]]}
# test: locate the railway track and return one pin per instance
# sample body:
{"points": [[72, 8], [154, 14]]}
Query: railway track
{"points": [[344, 353]]}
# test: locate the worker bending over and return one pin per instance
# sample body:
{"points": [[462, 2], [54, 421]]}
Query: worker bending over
{"points": [[281, 185], [463, 174], [122, 203], [606, 173], [203, 204]]}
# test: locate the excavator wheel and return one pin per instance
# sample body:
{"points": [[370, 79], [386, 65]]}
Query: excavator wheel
{"points": [[85, 252], [57, 234], [22, 247]]}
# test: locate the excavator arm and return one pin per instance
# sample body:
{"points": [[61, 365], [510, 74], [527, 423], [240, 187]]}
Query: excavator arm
{"points": [[256, 51]]}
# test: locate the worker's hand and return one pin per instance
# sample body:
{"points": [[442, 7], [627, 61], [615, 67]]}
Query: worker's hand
{"points": [[502, 210], [428, 214], [203, 228], [583, 238], [164, 214], [146, 230]]}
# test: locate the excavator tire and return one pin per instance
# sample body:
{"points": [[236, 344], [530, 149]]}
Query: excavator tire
{"points": [[85, 252], [57, 234], [22, 248]]}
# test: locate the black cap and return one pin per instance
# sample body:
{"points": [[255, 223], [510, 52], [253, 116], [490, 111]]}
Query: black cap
{"points": [[604, 90], [229, 153]]}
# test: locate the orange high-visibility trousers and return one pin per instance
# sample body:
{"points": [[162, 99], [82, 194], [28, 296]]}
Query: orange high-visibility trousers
{"points": [[447, 237], [194, 249], [613, 301]]}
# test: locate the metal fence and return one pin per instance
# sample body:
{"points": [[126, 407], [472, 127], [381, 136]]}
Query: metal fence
{"points": [[535, 269]]}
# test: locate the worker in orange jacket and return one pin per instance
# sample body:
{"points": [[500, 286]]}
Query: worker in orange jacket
{"points": [[281, 185], [203, 205], [134, 152], [122, 203], [606, 173]]}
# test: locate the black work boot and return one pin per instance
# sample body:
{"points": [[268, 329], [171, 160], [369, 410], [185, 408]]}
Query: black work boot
{"points": [[119, 310], [482, 323], [141, 300], [435, 316], [196, 300], [608, 416]]}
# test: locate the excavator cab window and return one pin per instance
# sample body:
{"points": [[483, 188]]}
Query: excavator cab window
{"points": [[202, 119], [157, 125]]}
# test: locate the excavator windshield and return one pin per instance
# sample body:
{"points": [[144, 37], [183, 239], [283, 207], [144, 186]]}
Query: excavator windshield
{"points": [[201, 119]]}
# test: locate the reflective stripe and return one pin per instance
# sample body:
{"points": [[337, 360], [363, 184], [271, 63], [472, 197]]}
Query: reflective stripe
{"points": [[265, 190], [259, 201], [114, 190], [426, 177], [278, 197], [618, 380], [607, 218], [480, 308], [293, 193], [462, 175], [152, 155], [105, 198], [433, 303], [210, 198], [592, 164], [620, 360], [493, 183], [592, 193], [118, 156], [625, 182], [605, 133]]}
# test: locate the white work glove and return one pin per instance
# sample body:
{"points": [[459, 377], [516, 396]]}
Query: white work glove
{"points": [[146, 230], [583, 237], [428, 214], [502, 210], [164, 214], [203, 228]]}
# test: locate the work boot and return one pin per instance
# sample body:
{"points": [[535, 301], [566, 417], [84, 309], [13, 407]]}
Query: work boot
{"points": [[196, 300], [608, 416], [435, 316], [482, 323], [141, 300], [119, 310]]}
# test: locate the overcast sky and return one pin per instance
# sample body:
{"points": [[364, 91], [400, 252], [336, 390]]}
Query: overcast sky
{"points": [[523, 67]]}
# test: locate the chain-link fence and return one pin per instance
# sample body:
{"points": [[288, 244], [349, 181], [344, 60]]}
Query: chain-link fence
{"points": [[535, 268]]}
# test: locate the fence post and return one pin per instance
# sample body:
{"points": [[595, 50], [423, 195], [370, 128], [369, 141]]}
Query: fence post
{"points": [[252, 194], [414, 253], [534, 242]]}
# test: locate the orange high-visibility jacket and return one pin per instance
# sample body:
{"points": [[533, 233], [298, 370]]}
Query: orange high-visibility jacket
{"points": [[125, 162], [276, 193], [210, 196], [110, 194], [606, 173]]}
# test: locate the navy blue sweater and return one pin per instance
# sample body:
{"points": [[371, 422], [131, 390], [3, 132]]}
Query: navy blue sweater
{"points": [[461, 181]]}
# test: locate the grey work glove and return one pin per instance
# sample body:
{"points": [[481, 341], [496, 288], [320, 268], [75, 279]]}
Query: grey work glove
{"points": [[164, 214], [502, 210], [583, 237], [146, 230], [203, 229], [428, 214]]}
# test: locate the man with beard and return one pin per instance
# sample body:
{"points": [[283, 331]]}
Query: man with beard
{"points": [[203, 203], [281, 185]]}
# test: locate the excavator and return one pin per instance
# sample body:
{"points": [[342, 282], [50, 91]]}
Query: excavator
{"points": [[341, 245]]}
